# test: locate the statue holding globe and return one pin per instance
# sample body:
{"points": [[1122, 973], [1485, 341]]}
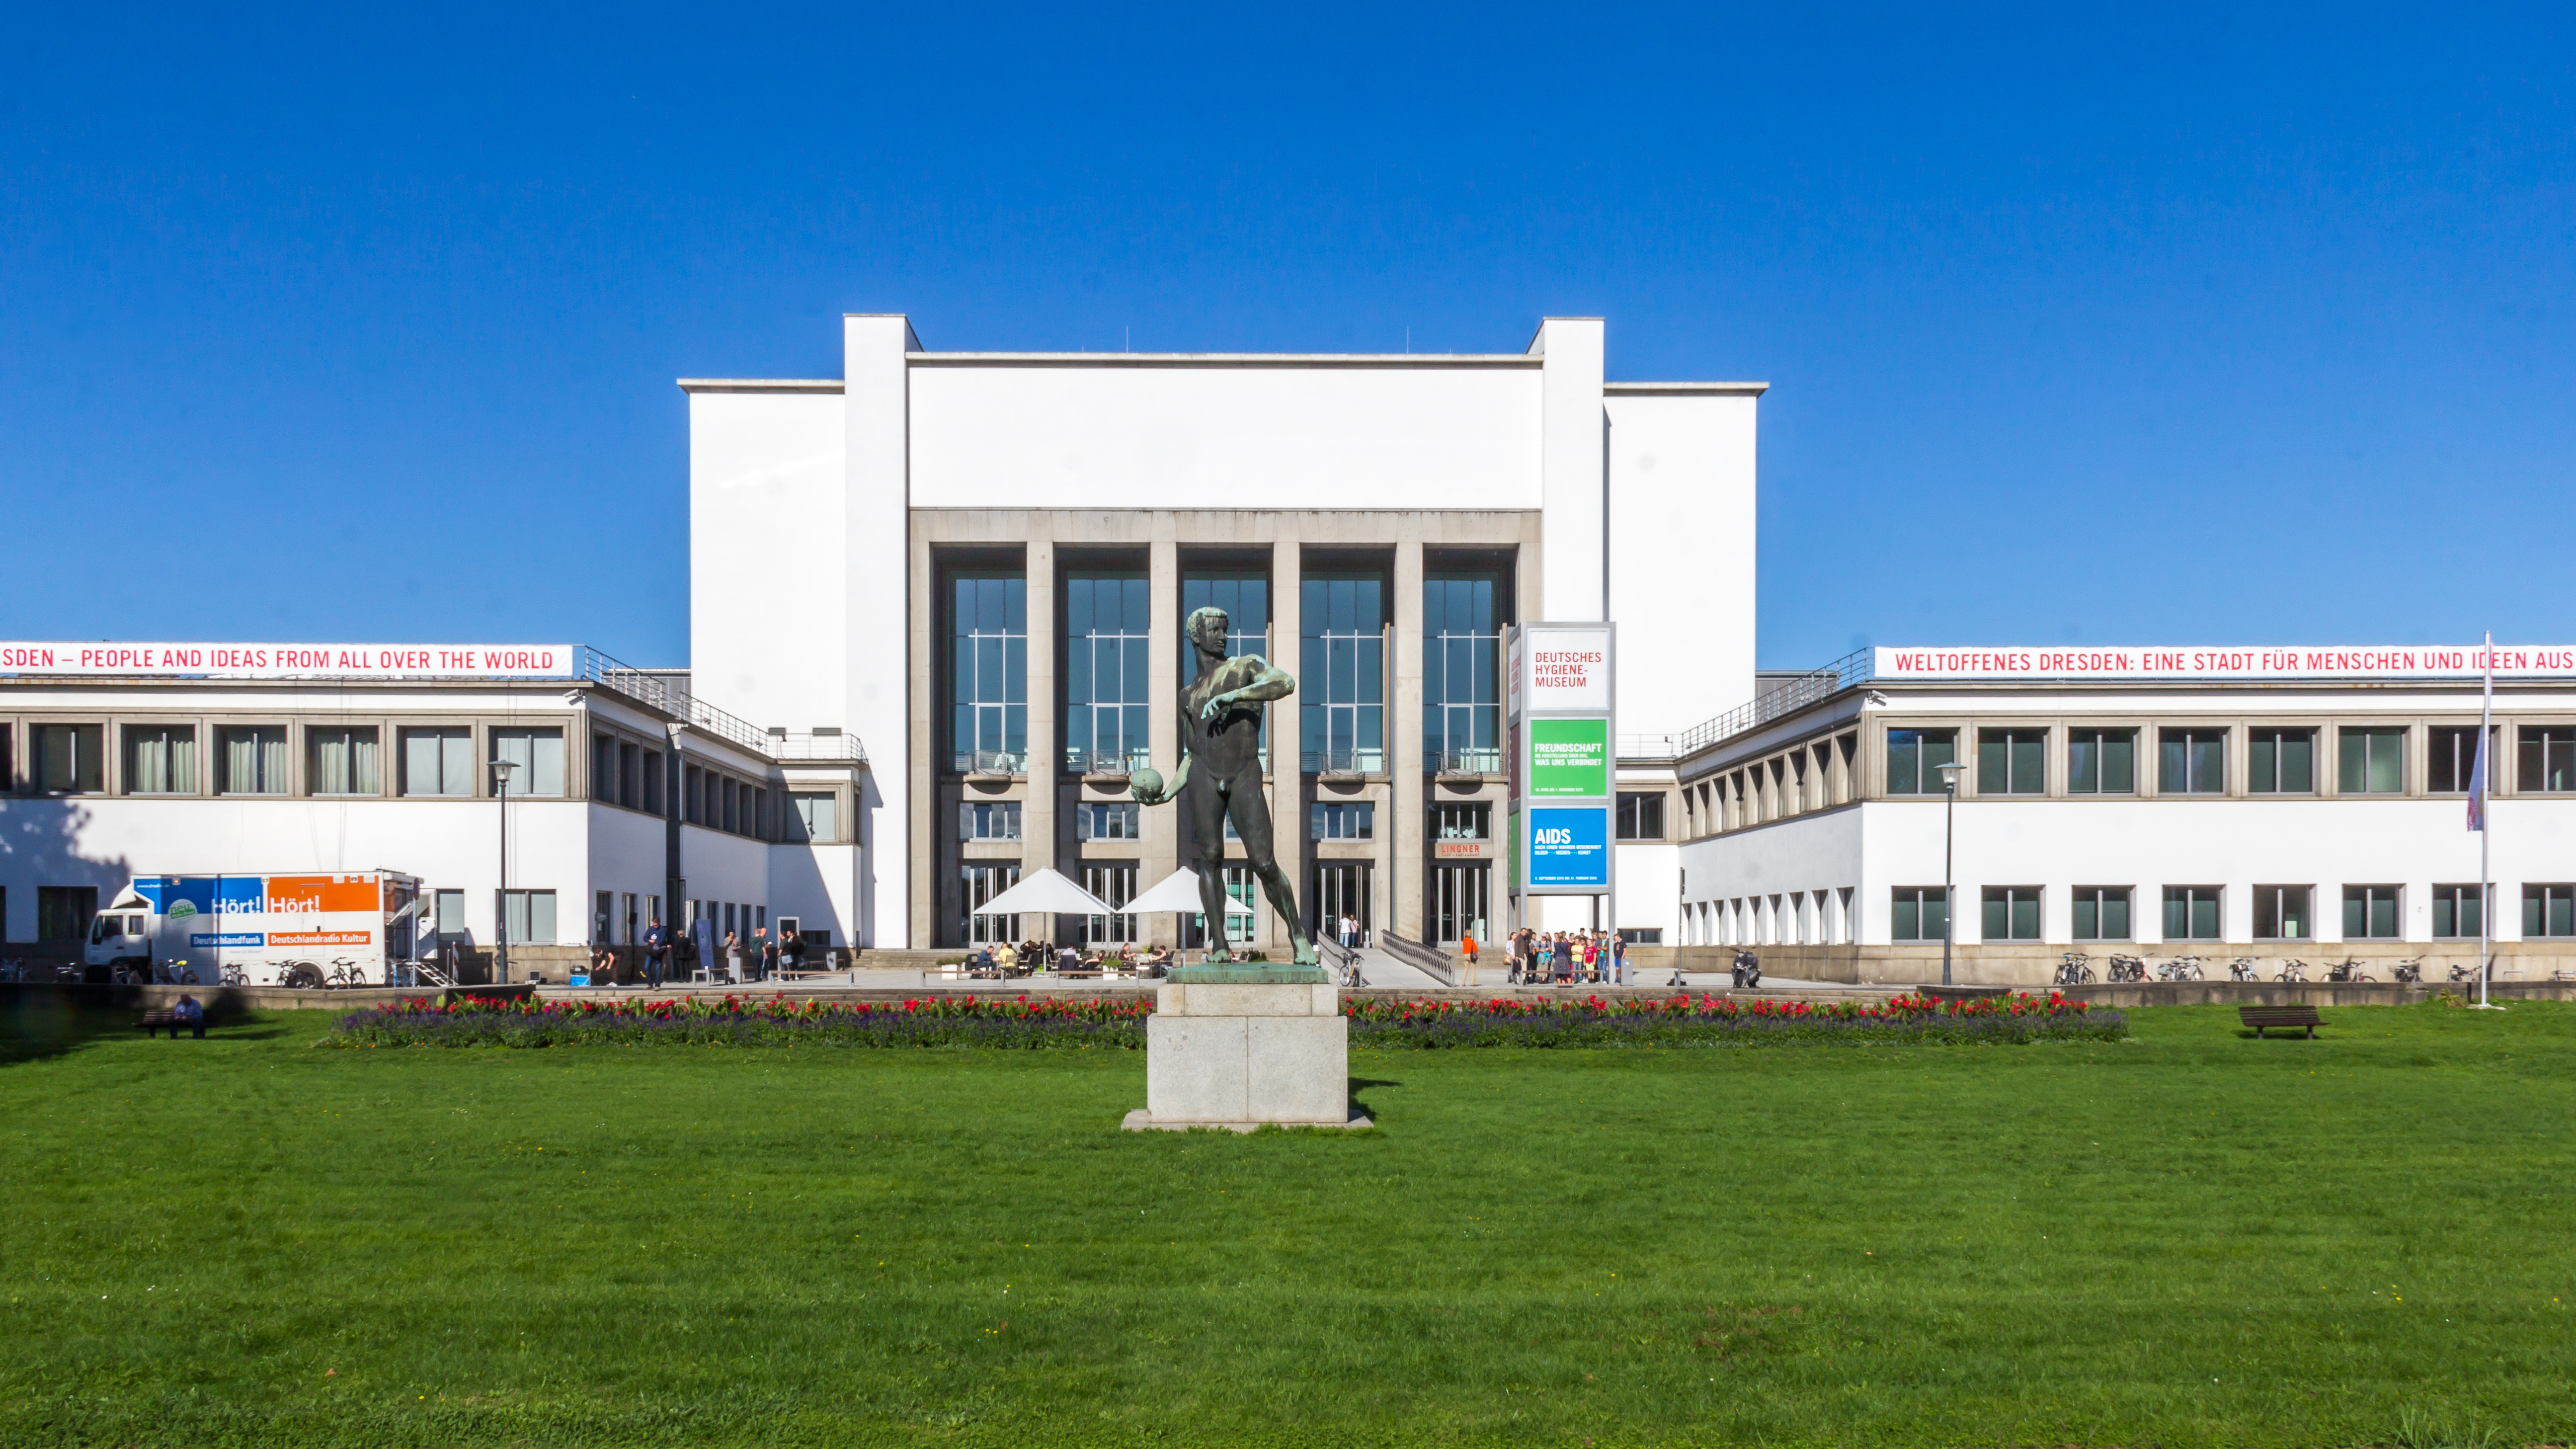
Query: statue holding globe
{"points": [[1220, 776]]}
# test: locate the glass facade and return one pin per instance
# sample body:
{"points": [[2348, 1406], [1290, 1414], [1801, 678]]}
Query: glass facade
{"points": [[988, 646], [1342, 684], [1462, 707], [1106, 618]]}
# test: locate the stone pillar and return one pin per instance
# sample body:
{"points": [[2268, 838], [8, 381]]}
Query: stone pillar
{"points": [[1162, 843], [926, 849], [1038, 810], [1406, 768], [1287, 768]]}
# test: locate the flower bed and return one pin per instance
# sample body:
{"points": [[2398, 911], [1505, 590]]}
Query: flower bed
{"points": [[741, 1021], [1684, 1020], [1025, 1021]]}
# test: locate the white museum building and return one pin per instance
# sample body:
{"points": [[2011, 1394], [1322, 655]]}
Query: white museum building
{"points": [[2278, 804]]}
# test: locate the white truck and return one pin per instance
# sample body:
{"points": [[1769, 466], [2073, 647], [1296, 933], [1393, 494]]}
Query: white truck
{"points": [[303, 930]]}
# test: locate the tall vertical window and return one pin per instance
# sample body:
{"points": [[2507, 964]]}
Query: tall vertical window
{"points": [[2011, 913], [2101, 913], [440, 761], [538, 755], [2371, 761], [1342, 724], [160, 759], [2458, 910], [1462, 705], [2012, 762], [988, 646], [1245, 598], [2101, 762], [1641, 817], [2277, 762], [2192, 762], [2548, 910], [528, 917], [1106, 621], [2280, 913], [2191, 913], [1915, 758], [979, 882], [68, 760], [63, 913], [252, 759], [2450, 757], [1114, 884], [2370, 913], [2548, 763], [603, 769], [341, 760], [1920, 913]]}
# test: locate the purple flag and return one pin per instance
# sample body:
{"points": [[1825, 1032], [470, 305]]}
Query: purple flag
{"points": [[2478, 786]]}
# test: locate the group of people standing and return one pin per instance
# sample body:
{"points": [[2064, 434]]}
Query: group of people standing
{"points": [[1566, 957], [745, 960]]}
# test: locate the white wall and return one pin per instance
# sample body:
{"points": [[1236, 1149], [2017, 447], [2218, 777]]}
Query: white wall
{"points": [[1649, 876], [767, 496], [876, 622], [1573, 506], [1682, 521], [1129, 435]]}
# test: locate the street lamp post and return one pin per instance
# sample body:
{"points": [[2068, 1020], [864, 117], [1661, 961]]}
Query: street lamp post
{"points": [[1949, 845], [501, 898]]}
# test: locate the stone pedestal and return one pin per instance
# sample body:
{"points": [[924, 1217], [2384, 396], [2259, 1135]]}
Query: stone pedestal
{"points": [[1237, 1055]]}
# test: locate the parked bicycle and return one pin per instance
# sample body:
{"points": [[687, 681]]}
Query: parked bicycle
{"points": [[2242, 968], [2464, 973], [232, 976], [2347, 969], [299, 975], [346, 973], [2128, 968], [2073, 968], [2293, 971], [2410, 972], [2180, 968]]}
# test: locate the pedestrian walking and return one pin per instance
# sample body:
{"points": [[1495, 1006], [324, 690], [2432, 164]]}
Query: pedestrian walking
{"points": [[768, 953], [657, 952]]}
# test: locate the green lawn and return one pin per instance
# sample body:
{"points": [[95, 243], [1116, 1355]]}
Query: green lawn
{"points": [[2188, 1238]]}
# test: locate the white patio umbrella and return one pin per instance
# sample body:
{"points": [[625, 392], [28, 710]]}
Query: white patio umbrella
{"points": [[1044, 892], [1179, 891]]}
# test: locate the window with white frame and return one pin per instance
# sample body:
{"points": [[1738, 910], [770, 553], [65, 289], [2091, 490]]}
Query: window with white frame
{"points": [[981, 881], [68, 758], [1339, 820], [2011, 913], [2101, 761], [2548, 759], [341, 760], [2458, 911], [2012, 762], [2548, 910], [536, 756], [161, 759], [2191, 913], [2192, 762], [1109, 820], [2277, 762], [1919, 913], [1915, 758], [438, 761], [2280, 913], [529, 917], [2371, 761], [2370, 913], [251, 760], [2101, 913], [997, 820], [2450, 758]]}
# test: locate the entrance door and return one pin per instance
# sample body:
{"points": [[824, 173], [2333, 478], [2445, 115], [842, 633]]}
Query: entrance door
{"points": [[1341, 888], [1460, 902]]}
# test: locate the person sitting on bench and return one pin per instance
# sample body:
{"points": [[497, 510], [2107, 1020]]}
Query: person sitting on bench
{"points": [[192, 1016]]}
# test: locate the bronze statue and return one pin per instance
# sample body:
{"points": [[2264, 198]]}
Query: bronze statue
{"points": [[1220, 776]]}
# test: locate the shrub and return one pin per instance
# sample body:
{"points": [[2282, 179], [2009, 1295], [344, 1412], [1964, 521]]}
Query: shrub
{"points": [[1685, 1020], [741, 1021]]}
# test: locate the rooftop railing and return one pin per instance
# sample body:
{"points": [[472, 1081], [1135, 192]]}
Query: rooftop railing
{"points": [[656, 689], [1786, 696]]}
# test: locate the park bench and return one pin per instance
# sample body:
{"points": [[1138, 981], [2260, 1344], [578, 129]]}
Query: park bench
{"points": [[154, 1021], [2260, 1017]]}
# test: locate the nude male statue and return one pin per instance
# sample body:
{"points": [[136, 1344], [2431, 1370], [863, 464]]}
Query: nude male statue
{"points": [[1220, 776]]}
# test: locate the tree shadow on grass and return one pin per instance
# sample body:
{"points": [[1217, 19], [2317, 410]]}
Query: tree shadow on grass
{"points": [[40, 1023]]}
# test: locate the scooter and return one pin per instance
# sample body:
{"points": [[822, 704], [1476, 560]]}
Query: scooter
{"points": [[1748, 970]]}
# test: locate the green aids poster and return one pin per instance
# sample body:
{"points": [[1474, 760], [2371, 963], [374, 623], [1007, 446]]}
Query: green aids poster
{"points": [[1569, 759]]}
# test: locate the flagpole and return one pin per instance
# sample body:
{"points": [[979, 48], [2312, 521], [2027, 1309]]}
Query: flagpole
{"points": [[2486, 832]]}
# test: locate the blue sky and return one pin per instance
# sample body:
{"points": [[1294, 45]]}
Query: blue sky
{"points": [[2143, 326]]}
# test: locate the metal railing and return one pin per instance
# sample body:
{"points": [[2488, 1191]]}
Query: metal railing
{"points": [[1079, 761], [1785, 697], [1470, 762], [991, 762], [1345, 762], [657, 689]]}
